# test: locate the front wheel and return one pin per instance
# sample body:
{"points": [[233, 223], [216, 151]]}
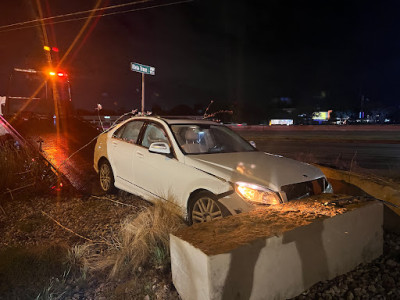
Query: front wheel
{"points": [[204, 207], [106, 177]]}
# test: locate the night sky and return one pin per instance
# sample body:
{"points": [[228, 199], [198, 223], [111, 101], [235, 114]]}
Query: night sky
{"points": [[243, 54]]}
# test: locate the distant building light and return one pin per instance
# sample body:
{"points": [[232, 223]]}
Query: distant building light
{"points": [[106, 117], [322, 115], [281, 122]]}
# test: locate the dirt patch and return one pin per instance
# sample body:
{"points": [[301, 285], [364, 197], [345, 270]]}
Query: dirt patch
{"points": [[37, 234], [31, 222], [229, 233]]}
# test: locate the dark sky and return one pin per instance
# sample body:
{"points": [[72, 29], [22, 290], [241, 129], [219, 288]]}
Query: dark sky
{"points": [[246, 52]]}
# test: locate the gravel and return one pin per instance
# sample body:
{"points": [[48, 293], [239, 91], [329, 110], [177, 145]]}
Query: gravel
{"points": [[379, 279]]}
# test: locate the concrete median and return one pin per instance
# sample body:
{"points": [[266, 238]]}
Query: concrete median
{"points": [[279, 265], [376, 187]]}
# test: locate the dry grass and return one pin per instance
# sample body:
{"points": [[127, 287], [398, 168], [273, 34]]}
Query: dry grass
{"points": [[142, 240], [76, 259], [23, 171]]}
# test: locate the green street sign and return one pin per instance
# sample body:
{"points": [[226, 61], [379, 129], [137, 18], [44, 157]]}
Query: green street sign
{"points": [[143, 69]]}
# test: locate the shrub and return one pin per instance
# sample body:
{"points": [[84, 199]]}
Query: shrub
{"points": [[142, 240]]}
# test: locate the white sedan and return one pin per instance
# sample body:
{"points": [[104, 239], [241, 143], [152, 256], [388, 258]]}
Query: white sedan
{"points": [[206, 168]]}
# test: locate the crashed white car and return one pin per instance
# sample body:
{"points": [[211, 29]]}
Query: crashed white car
{"points": [[205, 167]]}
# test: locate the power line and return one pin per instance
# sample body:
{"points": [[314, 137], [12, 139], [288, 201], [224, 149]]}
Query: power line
{"points": [[4, 28], [75, 13]]}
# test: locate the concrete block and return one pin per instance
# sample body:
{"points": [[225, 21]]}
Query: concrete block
{"points": [[280, 266], [373, 186]]}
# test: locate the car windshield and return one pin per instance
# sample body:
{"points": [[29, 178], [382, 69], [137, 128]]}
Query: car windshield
{"points": [[205, 138]]}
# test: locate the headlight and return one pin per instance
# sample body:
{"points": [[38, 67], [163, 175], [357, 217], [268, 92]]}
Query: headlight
{"points": [[256, 194]]}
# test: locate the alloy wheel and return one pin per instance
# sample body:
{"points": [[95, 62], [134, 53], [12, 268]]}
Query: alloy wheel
{"points": [[105, 177], [205, 209]]}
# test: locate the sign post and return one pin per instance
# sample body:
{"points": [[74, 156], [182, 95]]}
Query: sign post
{"points": [[144, 70]]}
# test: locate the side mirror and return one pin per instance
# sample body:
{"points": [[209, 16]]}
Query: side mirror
{"points": [[253, 144], [160, 147]]}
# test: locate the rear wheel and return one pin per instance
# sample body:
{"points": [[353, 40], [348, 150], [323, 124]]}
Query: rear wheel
{"points": [[106, 177], [204, 207]]}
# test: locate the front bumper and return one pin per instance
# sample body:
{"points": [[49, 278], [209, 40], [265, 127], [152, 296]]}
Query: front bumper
{"points": [[236, 205]]}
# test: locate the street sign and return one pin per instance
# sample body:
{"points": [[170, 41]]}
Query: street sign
{"points": [[143, 69]]}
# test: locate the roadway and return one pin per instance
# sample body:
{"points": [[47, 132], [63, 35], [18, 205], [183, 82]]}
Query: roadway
{"points": [[68, 147], [368, 150]]}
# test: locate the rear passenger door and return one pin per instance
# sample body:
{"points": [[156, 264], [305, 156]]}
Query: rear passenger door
{"points": [[122, 149]]}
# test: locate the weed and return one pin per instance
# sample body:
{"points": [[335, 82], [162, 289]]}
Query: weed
{"points": [[76, 259], [74, 275], [142, 240], [76, 255], [55, 289], [160, 256]]}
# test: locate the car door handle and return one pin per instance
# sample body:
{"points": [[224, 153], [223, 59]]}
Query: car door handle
{"points": [[139, 154]]}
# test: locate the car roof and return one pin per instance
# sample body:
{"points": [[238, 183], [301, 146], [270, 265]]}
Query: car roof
{"points": [[174, 120]]}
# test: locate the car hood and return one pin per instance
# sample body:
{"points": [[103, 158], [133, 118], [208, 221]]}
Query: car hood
{"points": [[272, 171]]}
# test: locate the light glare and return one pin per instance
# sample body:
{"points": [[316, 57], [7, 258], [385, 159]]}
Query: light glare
{"points": [[256, 194]]}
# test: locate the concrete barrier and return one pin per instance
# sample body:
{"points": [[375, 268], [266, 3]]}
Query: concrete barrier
{"points": [[359, 184], [283, 265], [373, 186]]}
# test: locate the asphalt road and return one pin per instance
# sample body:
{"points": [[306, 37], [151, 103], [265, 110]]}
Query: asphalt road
{"points": [[347, 148], [68, 147], [365, 149]]}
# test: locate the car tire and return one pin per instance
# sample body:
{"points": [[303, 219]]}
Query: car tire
{"points": [[204, 207], [106, 177]]}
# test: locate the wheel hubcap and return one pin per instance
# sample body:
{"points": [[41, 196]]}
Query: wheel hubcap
{"points": [[205, 210], [105, 178]]}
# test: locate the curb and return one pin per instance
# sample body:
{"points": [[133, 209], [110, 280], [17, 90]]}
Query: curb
{"points": [[376, 187]]}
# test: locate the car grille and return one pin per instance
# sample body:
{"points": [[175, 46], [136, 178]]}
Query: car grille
{"points": [[304, 189]]}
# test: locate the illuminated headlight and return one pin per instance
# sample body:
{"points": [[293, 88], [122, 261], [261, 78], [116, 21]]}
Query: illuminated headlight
{"points": [[256, 194]]}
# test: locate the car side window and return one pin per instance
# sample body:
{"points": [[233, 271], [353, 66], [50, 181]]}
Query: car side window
{"points": [[117, 134], [129, 132], [154, 134]]}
